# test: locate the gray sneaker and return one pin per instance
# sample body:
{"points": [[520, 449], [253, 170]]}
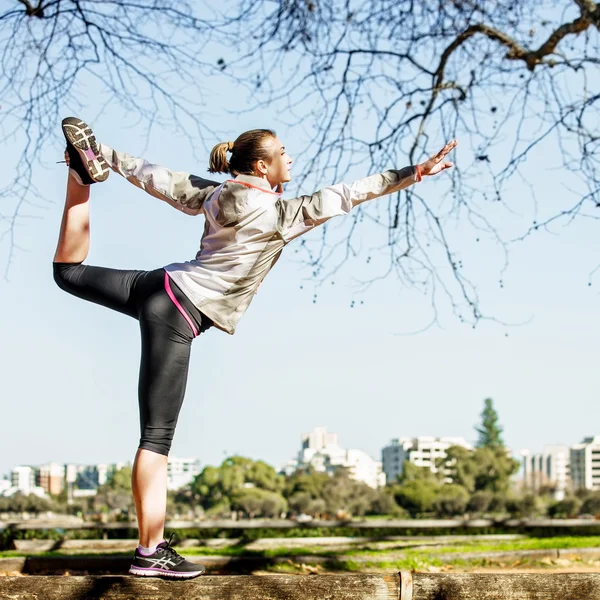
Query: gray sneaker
{"points": [[165, 562]]}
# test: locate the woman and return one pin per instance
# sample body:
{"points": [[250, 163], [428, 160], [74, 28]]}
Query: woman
{"points": [[247, 225]]}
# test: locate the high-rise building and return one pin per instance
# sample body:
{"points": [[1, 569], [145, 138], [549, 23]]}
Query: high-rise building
{"points": [[423, 451], [585, 464], [550, 468]]}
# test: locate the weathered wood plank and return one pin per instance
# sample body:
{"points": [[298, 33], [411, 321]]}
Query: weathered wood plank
{"points": [[505, 586], [436, 586], [241, 587], [12, 565]]}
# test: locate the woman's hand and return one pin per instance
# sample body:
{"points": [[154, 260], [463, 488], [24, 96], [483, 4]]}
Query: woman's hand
{"points": [[436, 164]]}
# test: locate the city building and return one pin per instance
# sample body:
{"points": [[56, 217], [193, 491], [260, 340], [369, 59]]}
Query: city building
{"points": [[585, 464], [51, 478], [550, 468], [423, 451], [23, 479], [320, 451], [5, 485], [181, 471]]}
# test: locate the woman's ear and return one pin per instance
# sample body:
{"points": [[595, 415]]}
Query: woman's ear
{"points": [[261, 167]]}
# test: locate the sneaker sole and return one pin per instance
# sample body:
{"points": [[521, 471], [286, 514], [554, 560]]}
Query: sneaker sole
{"points": [[149, 572], [82, 138]]}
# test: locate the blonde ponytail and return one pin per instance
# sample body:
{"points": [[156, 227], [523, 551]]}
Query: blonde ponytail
{"points": [[218, 158], [245, 151]]}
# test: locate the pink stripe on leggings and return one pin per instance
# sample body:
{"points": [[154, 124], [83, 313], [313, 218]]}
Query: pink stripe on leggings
{"points": [[179, 307]]}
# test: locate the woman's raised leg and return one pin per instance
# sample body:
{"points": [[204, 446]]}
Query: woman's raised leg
{"points": [[74, 238]]}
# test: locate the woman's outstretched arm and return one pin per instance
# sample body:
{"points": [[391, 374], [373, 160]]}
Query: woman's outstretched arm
{"points": [[299, 215], [184, 191]]}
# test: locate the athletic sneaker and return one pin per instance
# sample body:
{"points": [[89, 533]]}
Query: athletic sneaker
{"points": [[84, 155], [165, 562]]}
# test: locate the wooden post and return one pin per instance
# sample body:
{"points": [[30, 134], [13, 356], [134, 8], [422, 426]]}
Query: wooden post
{"points": [[406, 585]]}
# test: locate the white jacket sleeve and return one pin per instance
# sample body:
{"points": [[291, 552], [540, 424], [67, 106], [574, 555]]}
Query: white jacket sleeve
{"points": [[299, 215], [183, 191]]}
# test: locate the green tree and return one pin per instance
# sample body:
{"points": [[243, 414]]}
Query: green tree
{"points": [[495, 467], [255, 502], [311, 482], [525, 506], [116, 494], [342, 494], [568, 507], [417, 489], [451, 500], [591, 505], [462, 466], [120, 480], [215, 487], [490, 432], [417, 496], [480, 502], [385, 504]]}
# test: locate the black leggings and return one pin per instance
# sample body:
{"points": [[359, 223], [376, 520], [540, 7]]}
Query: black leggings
{"points": [[166, 337]]}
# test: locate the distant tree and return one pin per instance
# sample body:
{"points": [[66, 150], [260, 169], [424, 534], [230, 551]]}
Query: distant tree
{"points": [[254, 502], [300, 502], [462, 466], [216, 486], [342, 494], [417, 497], [116, 493], [498, 503], [120, 480], [495, 469], [479, 502], [527, 505], [568, 507], [311, 482], [451, 500], [21, 503], [490, 432], [591, 505], [385, 504], [417, 489]]}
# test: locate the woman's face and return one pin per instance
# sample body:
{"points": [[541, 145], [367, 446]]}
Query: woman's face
{"points": [[278, 170]]}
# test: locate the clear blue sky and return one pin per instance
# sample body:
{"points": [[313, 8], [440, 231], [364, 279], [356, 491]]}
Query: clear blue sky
{"points": [[69, 368]]}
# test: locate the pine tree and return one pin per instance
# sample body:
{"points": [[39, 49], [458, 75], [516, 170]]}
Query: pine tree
{"points": [[490, 432]]}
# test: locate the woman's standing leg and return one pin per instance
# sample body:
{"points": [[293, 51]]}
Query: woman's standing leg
{"points": [[166, 348], [166, 345], [149, 486]]}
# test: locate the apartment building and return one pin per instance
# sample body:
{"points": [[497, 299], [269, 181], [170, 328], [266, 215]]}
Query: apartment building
{"points": [[552, 467], [423, 451], [585, 464]]}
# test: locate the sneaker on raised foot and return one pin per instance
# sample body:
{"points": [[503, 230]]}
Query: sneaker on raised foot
{"points": [[84, 156], [164, 562]]}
